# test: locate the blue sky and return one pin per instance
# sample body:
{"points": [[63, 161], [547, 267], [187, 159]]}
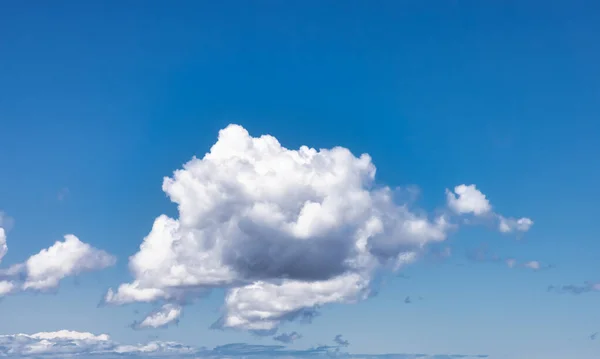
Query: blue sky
{"points": [[99, 101]]}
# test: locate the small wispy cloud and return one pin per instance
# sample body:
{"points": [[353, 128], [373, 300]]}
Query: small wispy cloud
{"points": [[467, 199], [341, 341], [535, 265], [62, 194], [160, 318], [6, 221], [287, 337], [574, 288], [482, 255], [439, 253]]}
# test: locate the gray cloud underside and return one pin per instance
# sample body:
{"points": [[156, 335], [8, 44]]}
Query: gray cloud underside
{"points": [[288, 337]]}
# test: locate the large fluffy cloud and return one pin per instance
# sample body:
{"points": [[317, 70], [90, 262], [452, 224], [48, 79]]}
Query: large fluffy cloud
{"points": [[44, 271], [285, 231]]}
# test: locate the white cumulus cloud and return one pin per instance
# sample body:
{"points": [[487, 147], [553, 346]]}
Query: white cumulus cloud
{"points": [[44, 270], [72, 344], [507, 225], [5, 224], [261, 306], [6, 287], [67, 343], [70, 335], [52, 343], [284, 231], [3, 246], [467, 199], [70, 257], [165, 315]]}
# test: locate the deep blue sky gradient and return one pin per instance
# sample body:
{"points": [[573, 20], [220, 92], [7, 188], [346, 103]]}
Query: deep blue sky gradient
{"points": [[107, 97]]}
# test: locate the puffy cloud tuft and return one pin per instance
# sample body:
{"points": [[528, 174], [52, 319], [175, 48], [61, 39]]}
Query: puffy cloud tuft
{"points": [[52, 343], [261, 306], [66, 343], [508, 225], [3, 246], [132, 292], [70, 257], [165, 315], [155, 348], [5, 223], [70, 335], [44, 271], [467, 199], [6, 287]]}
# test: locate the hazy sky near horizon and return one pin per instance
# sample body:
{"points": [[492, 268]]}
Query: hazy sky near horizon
{"points": [[299, 179]]}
